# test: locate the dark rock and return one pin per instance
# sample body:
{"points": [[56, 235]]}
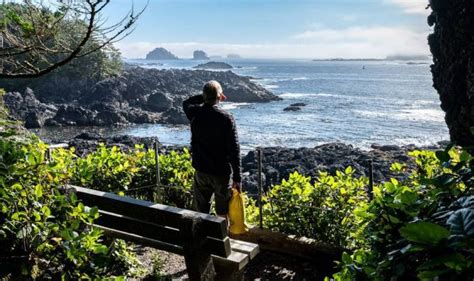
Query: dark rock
{"points": [[88, 136], [279, 162], [452, 45], [200, 55], [298, 104], [214, 65], [175, 116], [28, 108], [159, 102], [86, 143], [137, 96], [73, 115], [292, 108], [160, 54]]}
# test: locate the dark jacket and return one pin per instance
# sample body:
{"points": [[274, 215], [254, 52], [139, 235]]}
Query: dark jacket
{"points": [[214, 142]]}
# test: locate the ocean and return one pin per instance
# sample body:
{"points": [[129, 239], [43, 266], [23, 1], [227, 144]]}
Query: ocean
{"points": [[354, 102]]}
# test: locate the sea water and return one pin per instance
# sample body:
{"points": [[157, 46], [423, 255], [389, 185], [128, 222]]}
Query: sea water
{"points": [[354, 102]]}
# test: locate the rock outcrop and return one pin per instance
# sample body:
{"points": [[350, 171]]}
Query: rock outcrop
{"points": [[200, 55], [161, 54], [137, 96], [214, 65], [452, 46], [25, 106], [279, 162]]}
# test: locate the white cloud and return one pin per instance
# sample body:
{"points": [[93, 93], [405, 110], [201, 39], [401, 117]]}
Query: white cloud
{"points": [[319, 42], [412, 6], [370, 41]]}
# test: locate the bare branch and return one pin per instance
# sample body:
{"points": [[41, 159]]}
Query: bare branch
{"points": [[38, 39]]}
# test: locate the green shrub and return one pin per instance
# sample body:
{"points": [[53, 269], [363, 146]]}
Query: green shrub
{"points": [[45, 233], [422, 228], [323, 210], [112, 170]]}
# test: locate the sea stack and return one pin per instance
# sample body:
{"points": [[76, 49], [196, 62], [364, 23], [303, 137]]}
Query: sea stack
{"points": [[200, 55], [161, 54]]}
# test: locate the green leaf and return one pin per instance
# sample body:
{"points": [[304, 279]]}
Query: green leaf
{"points": [[408, 197], [348, 170], [430, 275], [38, 190], [23, 232], [465, 156], [461, 222], [442, 156], [346, 258], [445, 180], [46, 211], [424, 232]]}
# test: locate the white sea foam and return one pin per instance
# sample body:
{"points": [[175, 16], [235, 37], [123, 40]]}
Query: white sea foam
{"points": [[271, 86], [300, 78], [304, 95], [430, 115], [232, 105]]}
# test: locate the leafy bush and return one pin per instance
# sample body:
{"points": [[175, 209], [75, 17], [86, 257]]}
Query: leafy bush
{"points": [[113, 170], [422, 228], [323, 210], [45, 233]]}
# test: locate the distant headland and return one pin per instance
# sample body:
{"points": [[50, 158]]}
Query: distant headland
{"points": [[388, 58]]}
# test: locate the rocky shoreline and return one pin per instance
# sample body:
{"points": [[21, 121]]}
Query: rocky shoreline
{"points": [[279, 162], [138, 95]]}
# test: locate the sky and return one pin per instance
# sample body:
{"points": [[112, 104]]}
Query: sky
{"points": [[306, 29]]}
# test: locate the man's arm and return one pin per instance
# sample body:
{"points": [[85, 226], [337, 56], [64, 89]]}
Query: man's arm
{"points": [[234, 153], [190, 103]]}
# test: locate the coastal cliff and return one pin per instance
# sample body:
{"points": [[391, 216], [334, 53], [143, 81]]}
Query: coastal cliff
{"points": [[452, 46], [138, 95]]}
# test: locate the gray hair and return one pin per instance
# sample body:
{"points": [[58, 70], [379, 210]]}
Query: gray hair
{"points": [[211, 91]]}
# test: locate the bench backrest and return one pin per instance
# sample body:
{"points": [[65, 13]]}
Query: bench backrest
{"points": [[154, 224]]}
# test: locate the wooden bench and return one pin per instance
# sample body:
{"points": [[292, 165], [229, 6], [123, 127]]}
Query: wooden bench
{"points": [[202, 239]]}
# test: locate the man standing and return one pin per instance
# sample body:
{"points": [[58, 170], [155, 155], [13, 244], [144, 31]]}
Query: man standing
{"points": [[215, 150]]}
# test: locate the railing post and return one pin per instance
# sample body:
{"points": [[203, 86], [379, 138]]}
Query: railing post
{"points": [[157, 167], [260, 185], [371, 180]]}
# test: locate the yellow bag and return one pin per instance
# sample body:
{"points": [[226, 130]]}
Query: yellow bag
{"points": [[237, 213]]}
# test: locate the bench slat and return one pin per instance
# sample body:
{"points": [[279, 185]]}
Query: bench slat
{"points": [[142, 240], [155, 213], [234, 262], [244, 247], [133, 226], [220, 247]]}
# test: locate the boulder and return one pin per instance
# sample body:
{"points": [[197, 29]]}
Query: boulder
{"points": [[73, 115], [28, 108], [292, 108], [175, 116], [159, 102], [298, 104]]}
